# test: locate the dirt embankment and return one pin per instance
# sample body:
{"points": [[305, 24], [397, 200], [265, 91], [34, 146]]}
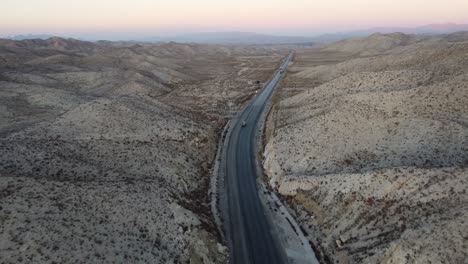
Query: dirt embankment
{"points": [[105, 150], [371, 148]]}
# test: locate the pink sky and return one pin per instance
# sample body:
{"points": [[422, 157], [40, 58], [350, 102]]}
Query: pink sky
{"points": [[172, 16]]}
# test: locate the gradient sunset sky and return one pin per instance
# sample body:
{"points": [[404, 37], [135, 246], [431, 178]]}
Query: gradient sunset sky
{"points": [[87, 18]]}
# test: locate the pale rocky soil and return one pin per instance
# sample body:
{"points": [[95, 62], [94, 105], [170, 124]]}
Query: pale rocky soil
{"points": [[105, 149], [368, 141]]}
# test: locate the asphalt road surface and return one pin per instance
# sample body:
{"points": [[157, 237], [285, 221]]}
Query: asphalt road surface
{"points": [[250, 236]]}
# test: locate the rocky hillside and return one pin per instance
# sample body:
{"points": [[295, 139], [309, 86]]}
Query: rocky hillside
{"points": [[374, 44], [368, 140], [105, 152]]}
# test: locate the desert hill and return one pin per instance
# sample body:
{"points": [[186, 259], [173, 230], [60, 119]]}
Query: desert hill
{"points": [[374, 44], [54, 43], [105, 149], [368, 139]]}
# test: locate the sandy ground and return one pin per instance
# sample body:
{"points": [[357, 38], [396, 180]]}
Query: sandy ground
{"points": [[105, 149], [368, 141]]}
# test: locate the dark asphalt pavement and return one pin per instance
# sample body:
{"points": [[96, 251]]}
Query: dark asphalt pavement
{"points": [[248, 230]]}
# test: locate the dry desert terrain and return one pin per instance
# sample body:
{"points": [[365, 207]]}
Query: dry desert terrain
{"points": [[368, 142], [105, 148]]}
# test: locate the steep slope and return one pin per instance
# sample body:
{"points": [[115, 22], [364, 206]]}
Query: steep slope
{"points": [[372, 151]]}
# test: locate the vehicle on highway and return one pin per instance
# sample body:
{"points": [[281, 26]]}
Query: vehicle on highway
{"points": [[251, 236], [281, 71]]}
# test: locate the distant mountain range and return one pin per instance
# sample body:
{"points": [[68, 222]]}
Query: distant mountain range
{"points": [[431, 29], [30, 36], [255, 38], [249, 38], [426, 29], [234, 38]]}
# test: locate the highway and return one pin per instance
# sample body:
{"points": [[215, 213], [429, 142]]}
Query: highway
{"points": [[248, 231]]}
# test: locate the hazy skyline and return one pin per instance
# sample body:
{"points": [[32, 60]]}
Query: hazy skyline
{"points": [[130, 19]]}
